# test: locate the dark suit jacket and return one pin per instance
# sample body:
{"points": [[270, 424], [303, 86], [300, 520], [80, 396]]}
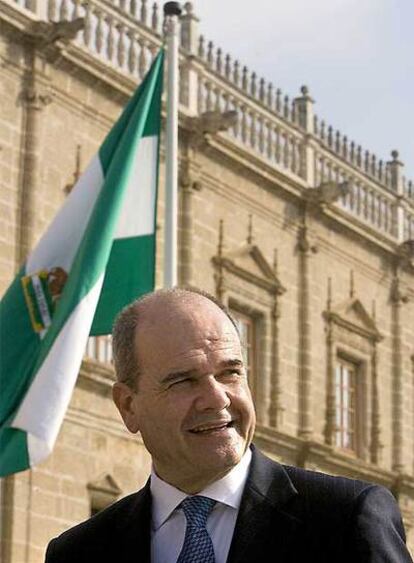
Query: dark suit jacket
{"points": [[286, 515]]}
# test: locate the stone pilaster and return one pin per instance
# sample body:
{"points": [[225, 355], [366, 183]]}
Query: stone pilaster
{"points": [[397, 300], [306, 248]]}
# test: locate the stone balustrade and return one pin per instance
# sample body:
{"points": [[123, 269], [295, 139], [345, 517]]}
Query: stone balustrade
{"points": [[99, 348], [284, 132]]}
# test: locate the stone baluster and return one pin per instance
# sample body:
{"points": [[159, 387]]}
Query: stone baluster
{"points": [[236, 128], [352, 152], [144, 12], [99, 32], [88, 25], [110, 38], [366, 162], [294, 161], [261, 135], [209, 101], [133, 8], [122, 4], [132, 54], [219, 61], [396, 184], [253, 87], [51, 10], [217, 97], [293, 112], [269, 95], [210, 53], [64, 10], [286, 155], [286, 107], [381, 171], [374, 165], [330, 136], [277, 147], [245, 79], [345, 147], [200, 96], [155, 20], [120, 52], [337, 147], [315, 125], [201, 47], [262, 90], [253, 130], [269, 141], [227, 67], [322, 132], [142, 59], [359, 156], [76, 12], [236, 73], [244, 124], [278, 101]]}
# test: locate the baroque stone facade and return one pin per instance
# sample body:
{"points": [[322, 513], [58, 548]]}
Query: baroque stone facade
{"points": [[305, 236]]}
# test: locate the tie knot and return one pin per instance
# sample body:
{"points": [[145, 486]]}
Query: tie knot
{"points": [[197, 509]]}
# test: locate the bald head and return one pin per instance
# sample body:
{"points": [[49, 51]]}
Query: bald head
{"points": [[151, 316]]}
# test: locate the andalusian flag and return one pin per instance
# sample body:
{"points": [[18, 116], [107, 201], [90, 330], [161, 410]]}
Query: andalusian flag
{"points": [[98, 255]]}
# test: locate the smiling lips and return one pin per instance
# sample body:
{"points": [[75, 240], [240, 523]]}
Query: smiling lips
{"points": [[212, 426]]}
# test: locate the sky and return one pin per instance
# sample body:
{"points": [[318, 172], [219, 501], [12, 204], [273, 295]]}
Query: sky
{"points": [[356, 57]]}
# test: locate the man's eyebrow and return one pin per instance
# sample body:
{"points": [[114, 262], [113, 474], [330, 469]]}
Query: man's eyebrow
{"points": [[232, 363], [171, 377], [177, 375]]}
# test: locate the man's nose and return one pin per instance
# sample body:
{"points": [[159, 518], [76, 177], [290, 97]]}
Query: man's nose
{"points": [[212, 395]]}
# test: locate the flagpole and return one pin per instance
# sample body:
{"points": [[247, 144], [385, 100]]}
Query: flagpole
{"points": [[172, 12]]}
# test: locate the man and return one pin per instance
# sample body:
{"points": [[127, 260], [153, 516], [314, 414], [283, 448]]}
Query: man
{"points": [[211, 496]]}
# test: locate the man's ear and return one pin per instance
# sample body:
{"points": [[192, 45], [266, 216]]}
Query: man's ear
{"points": [[123, 397]]}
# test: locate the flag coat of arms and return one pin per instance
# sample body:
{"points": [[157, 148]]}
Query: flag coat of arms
{"points": [[97, 255]]}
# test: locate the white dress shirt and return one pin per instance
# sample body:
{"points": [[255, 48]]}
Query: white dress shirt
{"points": [[168, 524]]}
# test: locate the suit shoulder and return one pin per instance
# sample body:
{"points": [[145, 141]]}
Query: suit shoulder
{"points": [[329, 487], [69, 541]]}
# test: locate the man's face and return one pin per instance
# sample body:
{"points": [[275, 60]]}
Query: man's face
{"points": [[193, 406]]}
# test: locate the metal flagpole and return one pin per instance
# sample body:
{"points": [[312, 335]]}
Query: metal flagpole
{"points": [[172, 12]]}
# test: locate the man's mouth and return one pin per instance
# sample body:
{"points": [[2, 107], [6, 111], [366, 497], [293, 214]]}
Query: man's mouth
{"points": [[212, 427]]}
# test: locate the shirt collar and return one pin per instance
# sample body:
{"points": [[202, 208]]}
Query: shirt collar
{"points": [[228, 490]]}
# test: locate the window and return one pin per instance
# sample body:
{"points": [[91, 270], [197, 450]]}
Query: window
{"points": [[247, 331], [346, 374]]}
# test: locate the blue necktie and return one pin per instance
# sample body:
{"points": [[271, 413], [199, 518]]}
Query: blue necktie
{"points": [[197, 546]]}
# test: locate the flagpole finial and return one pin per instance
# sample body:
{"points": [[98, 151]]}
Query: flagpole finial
{"points": [[172, 9]]}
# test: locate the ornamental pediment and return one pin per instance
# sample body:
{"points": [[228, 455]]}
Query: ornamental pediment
{"points": [[105, 484], [249, 263], [351, 314]]}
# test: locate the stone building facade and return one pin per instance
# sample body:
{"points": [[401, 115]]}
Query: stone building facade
{"points": [[305, 236]]}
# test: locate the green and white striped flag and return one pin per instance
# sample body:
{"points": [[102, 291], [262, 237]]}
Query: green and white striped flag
{"points": [[97, 255]]}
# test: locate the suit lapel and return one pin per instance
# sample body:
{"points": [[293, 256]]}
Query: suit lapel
{"points": [[134, 531], [264, 521]]}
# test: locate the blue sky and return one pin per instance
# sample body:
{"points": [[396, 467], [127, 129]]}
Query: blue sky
{"points": [[356, 57]]}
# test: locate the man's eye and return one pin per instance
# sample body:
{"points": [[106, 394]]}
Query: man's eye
{"points": [[179, 382]]}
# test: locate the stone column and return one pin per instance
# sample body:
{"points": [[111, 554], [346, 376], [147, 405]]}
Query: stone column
{"points": [[397, 299], [375, 446], [36, 97], [275, 407], [330, 424], [305, 248]]}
